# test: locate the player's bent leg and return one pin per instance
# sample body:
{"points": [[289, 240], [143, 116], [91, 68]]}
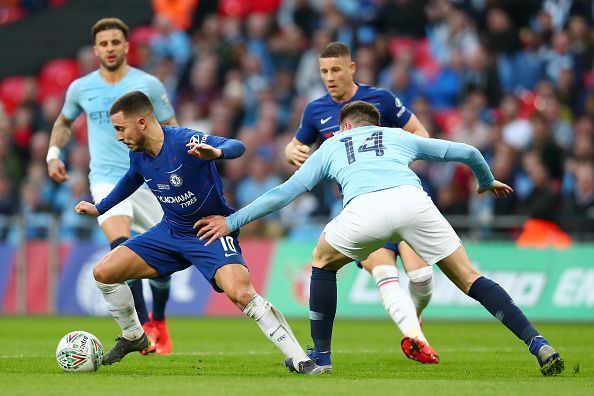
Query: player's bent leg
{"points": [[234, 280], [497, 301], [110, 275], [397, 302], [326, 261], [420, 276]]}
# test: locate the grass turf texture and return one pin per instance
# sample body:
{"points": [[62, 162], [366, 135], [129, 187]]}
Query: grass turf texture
{"points": [[231, 356]]}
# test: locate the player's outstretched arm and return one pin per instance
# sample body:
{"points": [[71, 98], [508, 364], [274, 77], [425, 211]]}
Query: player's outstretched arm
{"points": [[498, 189], [61, 132], [212, 228], [296, 152], [86, 208]]}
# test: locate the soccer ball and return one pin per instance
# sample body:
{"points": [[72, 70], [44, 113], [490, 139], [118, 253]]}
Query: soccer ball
{"points": [[79, 351]]}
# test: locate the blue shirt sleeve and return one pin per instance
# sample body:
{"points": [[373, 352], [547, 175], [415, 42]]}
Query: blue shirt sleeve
{"points": [[307, 133], [231, 148], [158, 96], [71, 108], [444, 150], [394, 112], [129, 183]]}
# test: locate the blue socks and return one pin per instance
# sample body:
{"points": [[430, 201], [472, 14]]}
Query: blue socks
{"points": [[496, 300], [139, 304], [322, 307], [160, 289]]}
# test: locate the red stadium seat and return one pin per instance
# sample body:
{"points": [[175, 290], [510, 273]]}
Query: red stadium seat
{"points": [[55, 76], [12, 92], [447, 120], [139, 36], [10, 14]]}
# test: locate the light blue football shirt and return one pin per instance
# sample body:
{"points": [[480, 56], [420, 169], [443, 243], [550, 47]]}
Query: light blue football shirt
{"points": [[93, 96], [364, 160]]}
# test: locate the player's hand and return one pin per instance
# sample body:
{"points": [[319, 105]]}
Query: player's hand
{"points": [[57, 170], [86, 208], [498, 189], [299, 153], [204, 151], [212, 227]]}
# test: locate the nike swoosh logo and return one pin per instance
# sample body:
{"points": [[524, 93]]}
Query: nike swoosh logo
{"points": [[230, 254], [147, 180], [325, 120], [93, 98]]}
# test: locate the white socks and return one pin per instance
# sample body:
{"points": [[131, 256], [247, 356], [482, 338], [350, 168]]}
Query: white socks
{"points": [[275, 327], [420, 287], [397, 302], [121, 305]]}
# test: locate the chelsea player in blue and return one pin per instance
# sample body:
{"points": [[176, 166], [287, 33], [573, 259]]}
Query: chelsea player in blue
{"points": [[384, 200], [177, 165], [320, 119], [93, 94]]}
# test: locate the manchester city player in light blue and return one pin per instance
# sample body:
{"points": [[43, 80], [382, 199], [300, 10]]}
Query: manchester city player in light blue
{"points": [[93, 94], [384, 201], [320, 120], [178, 166]]}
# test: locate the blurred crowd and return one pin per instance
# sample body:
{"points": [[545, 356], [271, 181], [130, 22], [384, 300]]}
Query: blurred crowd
{"points": [[513, 78]]}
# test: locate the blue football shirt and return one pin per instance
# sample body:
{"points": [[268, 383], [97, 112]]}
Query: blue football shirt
{"points": [[187, 187], [320, 116]]}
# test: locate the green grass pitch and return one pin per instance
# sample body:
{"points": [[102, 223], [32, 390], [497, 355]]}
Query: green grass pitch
{"points": [[224, 356]]}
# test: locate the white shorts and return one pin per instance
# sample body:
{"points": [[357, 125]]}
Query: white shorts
{"points": [[400, 213], [142, 207]]}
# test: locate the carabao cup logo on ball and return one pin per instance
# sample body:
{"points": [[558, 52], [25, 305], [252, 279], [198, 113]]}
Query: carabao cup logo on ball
{"points": [[79, 351]]}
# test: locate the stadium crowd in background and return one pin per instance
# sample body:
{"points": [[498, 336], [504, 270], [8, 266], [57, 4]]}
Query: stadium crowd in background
{"points": [[513, 78]]}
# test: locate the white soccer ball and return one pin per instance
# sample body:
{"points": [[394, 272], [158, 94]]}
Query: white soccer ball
{"points": [[79, 351]]}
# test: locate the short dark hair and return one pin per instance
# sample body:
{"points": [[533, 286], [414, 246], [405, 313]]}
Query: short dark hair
{"points": [[335, 49], [108, 24], [133, 103], [359, 113]]}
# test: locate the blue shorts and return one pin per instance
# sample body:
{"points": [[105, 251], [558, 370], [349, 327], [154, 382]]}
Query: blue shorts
{"points": [[169, 251], [388, 245]]}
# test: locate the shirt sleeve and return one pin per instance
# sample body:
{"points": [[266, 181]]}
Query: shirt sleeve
{"points": [[307, 133], [129, 183], [395, 113], [71, 108], [313, 170], [270, 201], [444, 150], [231, 148], [160, 100]]}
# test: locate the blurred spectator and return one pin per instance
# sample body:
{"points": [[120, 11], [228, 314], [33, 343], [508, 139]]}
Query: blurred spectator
{"points": [[579, 207], [260, 178], [472, 129], [169, 42], [517, 132], [8, 205], [179, 12], [73, 226], [35, 211], [542, 201]]}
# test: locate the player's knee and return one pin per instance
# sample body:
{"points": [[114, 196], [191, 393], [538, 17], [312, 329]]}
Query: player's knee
{"points": [[241, 296], [101, 275]]}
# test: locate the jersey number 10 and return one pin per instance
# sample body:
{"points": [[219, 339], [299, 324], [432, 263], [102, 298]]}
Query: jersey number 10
{"points": [[372, 143]]}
